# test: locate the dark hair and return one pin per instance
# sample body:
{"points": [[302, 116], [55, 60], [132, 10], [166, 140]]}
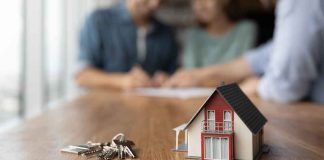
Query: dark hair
{"points": [[232, 10]]}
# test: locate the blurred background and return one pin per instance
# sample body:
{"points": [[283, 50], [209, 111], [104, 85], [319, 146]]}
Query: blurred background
{"points": [[39, 48]]}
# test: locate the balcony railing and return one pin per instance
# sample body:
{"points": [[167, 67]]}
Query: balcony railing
{"points": [[210, 126]]}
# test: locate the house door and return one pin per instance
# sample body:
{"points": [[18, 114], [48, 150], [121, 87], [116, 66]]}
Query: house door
{"points": [[216, 148]]}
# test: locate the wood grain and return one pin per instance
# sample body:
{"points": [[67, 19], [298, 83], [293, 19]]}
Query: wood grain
{"points": [[293, 132]]}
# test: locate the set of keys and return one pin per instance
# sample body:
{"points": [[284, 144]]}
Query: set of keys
{"points": [[119, 148]]}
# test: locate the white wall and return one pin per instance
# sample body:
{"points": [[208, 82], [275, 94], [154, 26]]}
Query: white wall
{"points": [[194, 136], [33, 60], [243, 140], [106, 3], [34, 78]]}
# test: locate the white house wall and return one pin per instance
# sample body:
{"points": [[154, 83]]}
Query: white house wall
{"points": [[194, 136], [243, 140]]}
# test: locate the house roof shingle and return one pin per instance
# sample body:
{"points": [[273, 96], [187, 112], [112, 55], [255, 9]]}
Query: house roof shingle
{"points": [[243, 107]]}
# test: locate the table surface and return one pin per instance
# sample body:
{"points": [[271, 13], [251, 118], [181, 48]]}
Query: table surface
{"points": [[294, 131]]}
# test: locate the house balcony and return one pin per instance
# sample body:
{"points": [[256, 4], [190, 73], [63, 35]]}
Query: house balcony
{"points": [[216, 127]]}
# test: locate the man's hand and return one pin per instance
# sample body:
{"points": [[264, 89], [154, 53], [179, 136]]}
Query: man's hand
{"points": [[184, 78], [136, 78], [160, 78]]}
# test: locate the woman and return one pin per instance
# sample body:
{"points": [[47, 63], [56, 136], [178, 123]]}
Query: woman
{"points": [[219, 35]]}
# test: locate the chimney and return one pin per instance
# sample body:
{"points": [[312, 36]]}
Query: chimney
{"points": [[222, 83]]}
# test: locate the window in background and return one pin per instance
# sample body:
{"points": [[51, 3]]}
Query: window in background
{"points": [[54, 55], [11, 57]]}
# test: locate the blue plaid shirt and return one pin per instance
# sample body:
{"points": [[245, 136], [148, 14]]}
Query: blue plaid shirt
{"points": [[108, 41]]}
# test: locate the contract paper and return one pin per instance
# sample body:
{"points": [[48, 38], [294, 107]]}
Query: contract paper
{"points": [[181, 93]]}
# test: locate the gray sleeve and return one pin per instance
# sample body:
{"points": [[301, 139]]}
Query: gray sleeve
{"points": [[258, 58], [189, 59], [249, 33], [293, 62]]}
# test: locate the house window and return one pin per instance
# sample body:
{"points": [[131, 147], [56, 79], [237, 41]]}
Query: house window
{"points": [[211, 120], [208, 148], [216, 148], [224, 148], [227, 121]]}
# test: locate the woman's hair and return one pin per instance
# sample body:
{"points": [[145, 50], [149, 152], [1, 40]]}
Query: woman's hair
{"points": [[231, 9]]}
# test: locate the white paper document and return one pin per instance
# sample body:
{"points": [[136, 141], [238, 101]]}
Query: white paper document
{"points": [[182, 93]]}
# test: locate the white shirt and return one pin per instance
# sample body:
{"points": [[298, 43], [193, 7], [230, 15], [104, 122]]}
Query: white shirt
{"points": [[292, 64]]}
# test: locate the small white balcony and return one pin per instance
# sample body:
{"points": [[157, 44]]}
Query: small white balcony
{"points": [[211, 126]]}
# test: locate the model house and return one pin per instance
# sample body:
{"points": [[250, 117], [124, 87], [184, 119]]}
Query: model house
{"points": [[227, 126]]}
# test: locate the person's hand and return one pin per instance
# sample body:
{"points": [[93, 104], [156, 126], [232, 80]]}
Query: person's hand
{"points": [[183, 78], [250, 85], [159, 78], [136, 78]]}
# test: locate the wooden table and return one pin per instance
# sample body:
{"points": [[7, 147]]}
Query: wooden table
{"points": [[293, 131]]}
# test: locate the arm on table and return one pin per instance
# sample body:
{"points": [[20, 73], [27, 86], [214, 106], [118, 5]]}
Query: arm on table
{"points": [[254, 63], [95, 78], [234, 71]]}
